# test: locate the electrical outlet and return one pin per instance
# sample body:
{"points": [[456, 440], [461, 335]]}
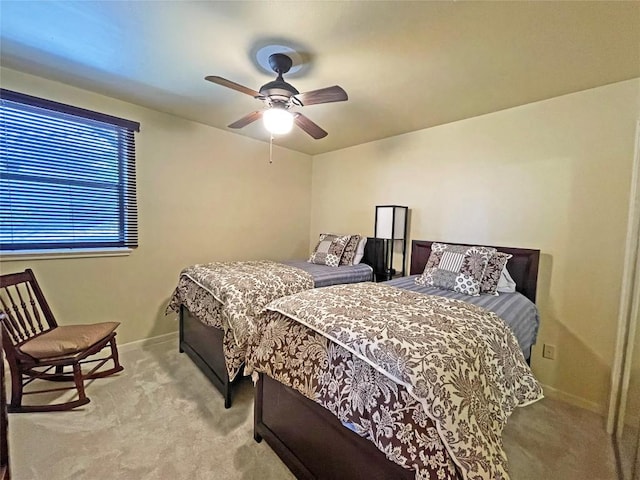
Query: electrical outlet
{"points": [[549, 351]]}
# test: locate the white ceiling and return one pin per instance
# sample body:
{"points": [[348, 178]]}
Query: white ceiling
{"points": [[405, 65]]}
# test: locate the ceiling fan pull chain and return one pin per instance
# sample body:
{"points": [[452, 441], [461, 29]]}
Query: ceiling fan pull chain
{"points": [[271, 149]]}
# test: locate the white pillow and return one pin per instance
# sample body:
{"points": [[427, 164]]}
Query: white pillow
{"points": [[359, 251], [506, 283]]}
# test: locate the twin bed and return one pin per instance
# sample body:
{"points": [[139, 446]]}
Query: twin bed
{"points": [[217, 301], [345, 389]]}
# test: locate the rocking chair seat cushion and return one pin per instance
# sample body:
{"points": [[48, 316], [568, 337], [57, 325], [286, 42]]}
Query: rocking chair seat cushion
{"points": [[67, 340]]}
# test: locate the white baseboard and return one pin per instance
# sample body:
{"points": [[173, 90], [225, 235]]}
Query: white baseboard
{"points": [[167, 337], [574, 400]]}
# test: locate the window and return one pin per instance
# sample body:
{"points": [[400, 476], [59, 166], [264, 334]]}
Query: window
{"points": [[67, 177]]}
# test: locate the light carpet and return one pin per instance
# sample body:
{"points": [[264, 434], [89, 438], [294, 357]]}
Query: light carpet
{"points": [[162, 419]]}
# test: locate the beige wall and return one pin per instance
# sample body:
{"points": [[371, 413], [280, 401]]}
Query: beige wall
{"points": [[552, 175], [203, 194]]}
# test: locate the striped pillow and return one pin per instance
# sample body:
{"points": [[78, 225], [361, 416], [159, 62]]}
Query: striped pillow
{"points": [[456, 267]]}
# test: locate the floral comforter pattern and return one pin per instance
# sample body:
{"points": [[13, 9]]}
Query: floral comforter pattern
{"points": [[228, 295], [429, 380]]}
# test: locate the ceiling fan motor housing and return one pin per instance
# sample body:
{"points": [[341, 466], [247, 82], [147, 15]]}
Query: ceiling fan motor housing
{"points": [[278, 90]]}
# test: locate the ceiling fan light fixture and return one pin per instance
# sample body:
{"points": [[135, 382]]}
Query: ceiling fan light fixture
{"points": [[278, 121], [278, 96]]}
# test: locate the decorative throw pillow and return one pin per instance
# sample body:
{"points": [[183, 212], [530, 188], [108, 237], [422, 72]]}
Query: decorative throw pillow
{"points": [[492, 273], [456, 267], [329, 249], [349, 253], [506, 283], [360, 251]]}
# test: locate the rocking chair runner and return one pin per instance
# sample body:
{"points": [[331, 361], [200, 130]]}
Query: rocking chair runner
{"points": [[34, 344]]}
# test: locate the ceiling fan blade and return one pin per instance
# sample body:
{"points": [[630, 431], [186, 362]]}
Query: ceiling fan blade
{"points": [[233, 85], [323, 95], [247, 119], [309, 127]]}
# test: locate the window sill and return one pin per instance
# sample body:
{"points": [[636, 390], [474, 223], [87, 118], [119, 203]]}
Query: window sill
{"points": [[14, 256]]}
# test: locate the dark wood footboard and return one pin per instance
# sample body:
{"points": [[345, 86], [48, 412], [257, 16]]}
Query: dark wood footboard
{"points": [[203, 345], [312, 442]]}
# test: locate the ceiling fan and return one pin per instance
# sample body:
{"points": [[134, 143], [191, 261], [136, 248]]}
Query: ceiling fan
{"points": [[279, 96]]}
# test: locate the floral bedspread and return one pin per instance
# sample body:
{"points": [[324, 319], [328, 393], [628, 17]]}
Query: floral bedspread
{"points": [[228, 295], [429, 380]]}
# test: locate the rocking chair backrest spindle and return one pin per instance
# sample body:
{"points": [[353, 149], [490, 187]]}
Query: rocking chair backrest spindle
{"points": [[26, 312]]}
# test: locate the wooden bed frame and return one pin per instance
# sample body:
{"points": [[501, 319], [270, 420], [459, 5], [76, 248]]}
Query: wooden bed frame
{"points": [[312, 442], [203, 344]]}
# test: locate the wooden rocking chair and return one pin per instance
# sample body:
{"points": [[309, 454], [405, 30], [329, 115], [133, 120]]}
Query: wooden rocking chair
{"points": [[34, 344]]}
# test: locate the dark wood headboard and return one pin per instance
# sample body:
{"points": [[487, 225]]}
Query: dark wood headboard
{"points": [[523, 265]]}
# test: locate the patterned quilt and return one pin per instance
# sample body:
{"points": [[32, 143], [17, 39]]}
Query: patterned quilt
{"points": [[238, 292], [430, 380]]}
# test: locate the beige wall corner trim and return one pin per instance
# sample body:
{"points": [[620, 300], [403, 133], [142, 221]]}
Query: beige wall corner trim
{"points": [[626, 322]]}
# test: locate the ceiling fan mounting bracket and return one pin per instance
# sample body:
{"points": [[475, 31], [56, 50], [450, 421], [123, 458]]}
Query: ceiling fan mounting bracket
{"points": [[280, 63]]}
